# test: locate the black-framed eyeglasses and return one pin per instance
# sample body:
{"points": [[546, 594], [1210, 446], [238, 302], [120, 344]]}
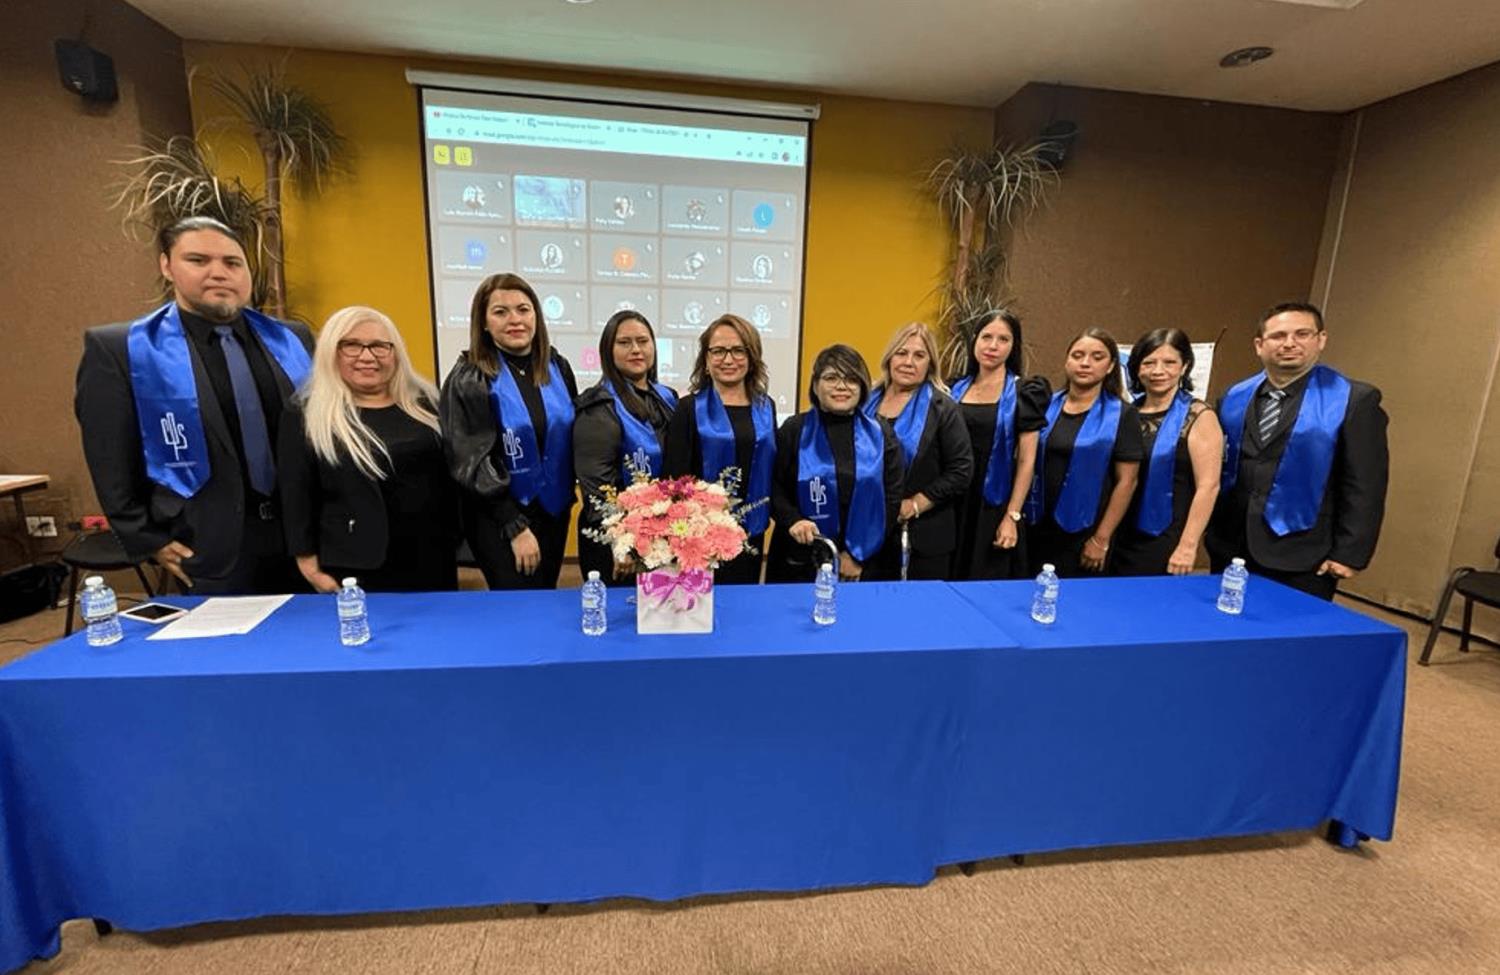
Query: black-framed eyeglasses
{"points": [[719, 353], [353, 349], [834, 380]]}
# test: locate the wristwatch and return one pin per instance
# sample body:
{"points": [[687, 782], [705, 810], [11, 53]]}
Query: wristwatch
{"points": [[1014, 516]]}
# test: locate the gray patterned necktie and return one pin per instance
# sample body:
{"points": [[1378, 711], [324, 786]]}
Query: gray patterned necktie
{"points": [[1270, 413]]}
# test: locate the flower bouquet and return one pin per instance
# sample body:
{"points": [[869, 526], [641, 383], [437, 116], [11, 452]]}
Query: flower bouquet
{"points": [[673, 532]]}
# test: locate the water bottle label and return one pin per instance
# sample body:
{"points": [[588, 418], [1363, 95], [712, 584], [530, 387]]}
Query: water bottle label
{"points": [[350, 611]]}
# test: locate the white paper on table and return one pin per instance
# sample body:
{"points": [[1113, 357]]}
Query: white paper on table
{"points": [[221, 616]]}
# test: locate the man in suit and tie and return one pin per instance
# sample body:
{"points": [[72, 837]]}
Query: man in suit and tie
{"points": [[179, 411], [1306, 464]]}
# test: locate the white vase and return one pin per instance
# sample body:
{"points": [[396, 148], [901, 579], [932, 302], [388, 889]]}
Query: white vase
{"points": [[668, 600]]}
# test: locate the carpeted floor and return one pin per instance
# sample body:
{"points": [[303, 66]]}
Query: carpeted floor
{"points": [[1428, 902]]}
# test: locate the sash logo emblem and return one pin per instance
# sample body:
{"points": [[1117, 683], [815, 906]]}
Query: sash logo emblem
{"points": [[512, 445], [641, 461], [817, 493], [174, 435]]}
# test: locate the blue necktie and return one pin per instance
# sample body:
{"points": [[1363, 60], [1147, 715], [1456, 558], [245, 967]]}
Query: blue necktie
{"points": [[253, 436]]}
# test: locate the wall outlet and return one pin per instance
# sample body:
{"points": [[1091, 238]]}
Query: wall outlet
{"points": [[41, 526]]}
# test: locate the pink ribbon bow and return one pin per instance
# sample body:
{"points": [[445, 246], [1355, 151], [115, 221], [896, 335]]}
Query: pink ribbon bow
{"points": [[683, 588]]}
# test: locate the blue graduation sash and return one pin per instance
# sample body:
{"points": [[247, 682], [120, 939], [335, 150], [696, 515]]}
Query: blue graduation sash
{"points": [[166, 394], [545, 474], [1161, 467], [910, 422], [1302, 473], [818, 485], [998, 473], [639, 443], [716, 440], [1078, 503]]}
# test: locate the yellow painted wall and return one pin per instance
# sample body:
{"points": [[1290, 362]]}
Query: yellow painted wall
{"points": [[875, 247]]}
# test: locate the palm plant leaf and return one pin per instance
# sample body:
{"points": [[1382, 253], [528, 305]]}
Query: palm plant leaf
{"points": [[166, 180], [288, 121]]}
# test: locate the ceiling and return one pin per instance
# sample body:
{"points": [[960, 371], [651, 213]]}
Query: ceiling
{"points": [[962, 52]]}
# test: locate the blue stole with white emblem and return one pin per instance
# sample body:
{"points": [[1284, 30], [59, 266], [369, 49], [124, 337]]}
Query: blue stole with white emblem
{"points": [[1302, 473], [546, 473], [910, 422], [997, 473], [1161, 467], [818, 485], [716, 442], [166, 393], [639, 443], [1078, 502]]}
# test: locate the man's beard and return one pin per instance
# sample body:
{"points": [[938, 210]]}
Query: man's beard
{"points": [[216, 311]]}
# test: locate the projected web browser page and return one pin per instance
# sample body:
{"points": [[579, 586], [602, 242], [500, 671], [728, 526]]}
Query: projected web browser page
{"points": [[680, 215]]}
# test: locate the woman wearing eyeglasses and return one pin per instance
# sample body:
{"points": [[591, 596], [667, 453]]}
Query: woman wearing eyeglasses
{"points": [[839, 474], [507, 414], [1088, 460], [365, 490], [935, 448], [621, 424], [728, 420]]}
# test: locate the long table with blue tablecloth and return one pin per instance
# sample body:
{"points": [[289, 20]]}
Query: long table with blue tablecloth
{"points": [[481, 750]]}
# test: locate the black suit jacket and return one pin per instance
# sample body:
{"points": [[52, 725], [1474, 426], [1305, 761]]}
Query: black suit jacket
{"points": [[941, 469], [144, 515], [336, 511], [1353, 507]]}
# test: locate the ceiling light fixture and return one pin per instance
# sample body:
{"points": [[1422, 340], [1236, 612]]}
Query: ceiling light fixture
{"points": [[1245, 56], [578, 3]]}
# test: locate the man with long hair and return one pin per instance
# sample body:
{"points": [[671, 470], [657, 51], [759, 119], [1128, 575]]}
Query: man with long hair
{"points": [[179, 411]]}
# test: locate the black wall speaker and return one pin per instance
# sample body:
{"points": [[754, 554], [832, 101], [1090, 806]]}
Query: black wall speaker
{"points": [[86, 72], [1056, 139]]}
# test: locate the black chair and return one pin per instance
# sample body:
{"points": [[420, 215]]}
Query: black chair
{"points": [[94, 552], [1475, 586]]}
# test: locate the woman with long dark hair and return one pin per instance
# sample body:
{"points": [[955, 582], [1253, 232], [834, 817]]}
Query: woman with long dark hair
{"points": [[620, 428], [729, 420], [1184, 451], [1003, 414], [839, 474], [1088, 459], [507, 415]]}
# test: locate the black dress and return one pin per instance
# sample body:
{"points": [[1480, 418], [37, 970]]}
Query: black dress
{"points": [[597, 434], [1049, 543], [684, 457], [396, 534], [790, 561], [1134, 553], [491, 515], [977, 557]]}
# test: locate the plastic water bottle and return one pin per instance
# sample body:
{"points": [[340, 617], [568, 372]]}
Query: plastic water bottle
{"points": [[1232, 588], [595, 602], [824, 590], [1044, 602], [100, 613], [354, 625]]}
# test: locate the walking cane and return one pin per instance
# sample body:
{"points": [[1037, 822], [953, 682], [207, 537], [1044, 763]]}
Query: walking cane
{"points": [[905, 548]]}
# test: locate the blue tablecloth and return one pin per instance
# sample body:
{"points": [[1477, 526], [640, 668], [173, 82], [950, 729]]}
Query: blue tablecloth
{"points": [[481, 750]]}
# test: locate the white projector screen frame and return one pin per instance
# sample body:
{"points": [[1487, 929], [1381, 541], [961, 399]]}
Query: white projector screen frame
{"points": [[684, 207]]}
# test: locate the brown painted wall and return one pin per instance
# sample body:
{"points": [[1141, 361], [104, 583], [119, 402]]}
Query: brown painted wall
{"points": [[1411, 280], [64, 262], [1171, 212]]}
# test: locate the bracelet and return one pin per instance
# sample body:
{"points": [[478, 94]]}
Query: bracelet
{"points": [[1103, 546]]}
